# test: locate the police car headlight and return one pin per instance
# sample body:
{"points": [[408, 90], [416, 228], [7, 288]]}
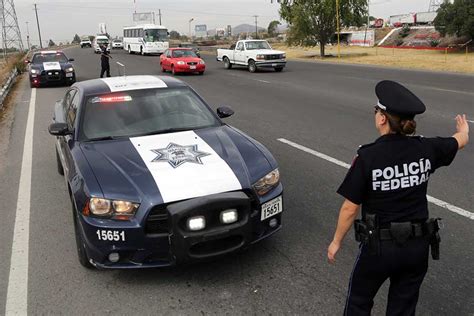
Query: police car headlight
{"points": [[100, 207], [70, 69], [268, 182], [34, 71], [181, 63], [117, 209]]}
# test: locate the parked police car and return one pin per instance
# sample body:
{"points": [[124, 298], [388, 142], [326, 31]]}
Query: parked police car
{"points": [[156, 178], [51, 67]]}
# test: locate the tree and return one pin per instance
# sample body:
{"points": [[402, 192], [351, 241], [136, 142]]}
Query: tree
{"points": [[273, 27], [51, 43], [456, 18], [314, 21], [76, 39], [174, 35]]}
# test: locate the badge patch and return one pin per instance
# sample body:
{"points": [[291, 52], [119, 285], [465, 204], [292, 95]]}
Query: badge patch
{"points": [[176, 155]]}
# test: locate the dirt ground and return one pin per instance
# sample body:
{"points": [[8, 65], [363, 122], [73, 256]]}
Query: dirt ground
{"points": [[392, 57]]}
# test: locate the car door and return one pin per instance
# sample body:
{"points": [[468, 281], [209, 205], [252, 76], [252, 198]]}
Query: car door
{"points": [[239, 54], [163, 59]]}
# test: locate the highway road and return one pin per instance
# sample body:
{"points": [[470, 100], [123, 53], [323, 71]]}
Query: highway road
{"points": [[312, 117]]}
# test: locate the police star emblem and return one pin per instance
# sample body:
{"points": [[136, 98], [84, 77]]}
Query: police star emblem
{"points": [[177, 155]]}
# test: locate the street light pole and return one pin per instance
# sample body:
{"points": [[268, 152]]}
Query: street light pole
{"points": [[338, 30], [190, 35], [38, 23], [27, 35]]}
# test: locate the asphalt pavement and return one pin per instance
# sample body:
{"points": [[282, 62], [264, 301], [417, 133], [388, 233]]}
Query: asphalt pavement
{"points": [[328, 109]]}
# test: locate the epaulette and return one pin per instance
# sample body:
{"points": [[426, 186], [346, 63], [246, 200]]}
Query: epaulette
{"points": [[365, 146]]}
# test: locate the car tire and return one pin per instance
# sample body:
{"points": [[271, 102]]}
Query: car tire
{"points": [[252, 66], [81, 249], [173, 71], [227, 64], [141, 51], [59, 164], [129, 50], [163, 69], [278, 69]]}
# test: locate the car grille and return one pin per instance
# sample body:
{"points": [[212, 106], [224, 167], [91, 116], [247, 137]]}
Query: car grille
{"points": [[157, 221], [52, 75], [272, 57], [192, 63]]}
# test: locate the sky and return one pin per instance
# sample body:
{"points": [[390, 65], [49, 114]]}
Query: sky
{"points": [[61, 19]]}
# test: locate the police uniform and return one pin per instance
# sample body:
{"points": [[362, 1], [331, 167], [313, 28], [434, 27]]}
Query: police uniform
{"points": [[104, 62], [389, 178]]}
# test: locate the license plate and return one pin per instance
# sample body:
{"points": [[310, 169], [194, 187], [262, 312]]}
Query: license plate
{"points": [[69, 75], [192, 67], [272, 208]]}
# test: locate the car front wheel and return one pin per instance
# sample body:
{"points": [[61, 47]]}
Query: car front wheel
{"points": [[227, 64], [252, 66]]}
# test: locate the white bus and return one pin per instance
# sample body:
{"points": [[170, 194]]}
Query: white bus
{"points": [[145, 39]]}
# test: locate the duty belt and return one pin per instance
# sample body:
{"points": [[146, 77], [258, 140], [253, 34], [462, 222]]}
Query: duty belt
{"points": [[369, 233]]}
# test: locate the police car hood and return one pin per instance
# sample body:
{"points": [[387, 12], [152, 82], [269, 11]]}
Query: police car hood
{"points": [[176, 166], [52, 65]]}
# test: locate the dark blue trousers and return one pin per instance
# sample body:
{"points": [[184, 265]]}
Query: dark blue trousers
{"points": [[405, 266]]}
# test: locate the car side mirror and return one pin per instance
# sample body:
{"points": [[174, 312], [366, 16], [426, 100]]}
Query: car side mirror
{"points": [[59, 129], [224, 112], [71, 59]]}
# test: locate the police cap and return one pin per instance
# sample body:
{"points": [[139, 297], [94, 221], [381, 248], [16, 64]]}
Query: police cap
{"points": [[395, 98]]}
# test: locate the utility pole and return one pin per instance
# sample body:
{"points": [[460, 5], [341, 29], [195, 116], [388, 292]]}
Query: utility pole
{"points": [[190, 34], [28, 36], [159, 15], [256, 26], [38, 23]]}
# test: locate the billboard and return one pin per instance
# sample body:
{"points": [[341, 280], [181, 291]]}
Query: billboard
{"points": [[362, 38], [144, 18], [200, 30]]}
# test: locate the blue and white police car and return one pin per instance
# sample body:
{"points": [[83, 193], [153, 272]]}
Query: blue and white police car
{"points": [[156, 178], [51, 67]]}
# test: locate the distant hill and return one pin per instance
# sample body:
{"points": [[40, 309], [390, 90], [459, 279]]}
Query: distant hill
{"points": [[244, 28]]}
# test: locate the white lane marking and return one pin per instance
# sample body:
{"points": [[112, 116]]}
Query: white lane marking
{"points": [[470, 121], [315, 153], [17, 293], [264, 81], [431, 199]]}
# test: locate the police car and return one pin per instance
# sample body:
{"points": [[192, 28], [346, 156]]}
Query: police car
{"points": [[157, 178], [51, 67]]}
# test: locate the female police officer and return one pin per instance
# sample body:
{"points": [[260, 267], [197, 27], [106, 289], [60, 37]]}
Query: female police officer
{"points": [[389, 179]]}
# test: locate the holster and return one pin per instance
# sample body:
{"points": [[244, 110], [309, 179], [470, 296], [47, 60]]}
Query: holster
{"points": [[432, 229], [367, 232]]}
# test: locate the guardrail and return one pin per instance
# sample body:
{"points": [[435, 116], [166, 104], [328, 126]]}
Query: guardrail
{"points": [[7, 86]]}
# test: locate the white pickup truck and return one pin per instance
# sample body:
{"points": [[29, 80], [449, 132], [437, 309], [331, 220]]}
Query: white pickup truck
{"points": [[253, 54]]}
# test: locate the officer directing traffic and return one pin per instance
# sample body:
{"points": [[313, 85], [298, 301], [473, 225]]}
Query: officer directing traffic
{"points": [[389, 178], [104, 61]]}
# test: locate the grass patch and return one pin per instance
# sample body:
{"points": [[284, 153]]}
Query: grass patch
{"points": [[392, 57]]}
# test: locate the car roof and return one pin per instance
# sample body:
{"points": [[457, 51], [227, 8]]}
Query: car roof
{"points": [[180, 48], [127, 83]]}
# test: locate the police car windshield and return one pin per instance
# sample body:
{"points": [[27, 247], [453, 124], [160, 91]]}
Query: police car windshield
{"points": [[155, 35], [102, 41], [257, 45], [144, 112], [46, 58], [177, 53]]}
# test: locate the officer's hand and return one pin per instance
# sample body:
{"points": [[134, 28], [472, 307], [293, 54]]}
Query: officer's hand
{"points": [[461, 124], [332, 251]]}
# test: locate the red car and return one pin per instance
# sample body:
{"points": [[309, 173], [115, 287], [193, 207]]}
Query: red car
{"points": [[179, 60]]}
